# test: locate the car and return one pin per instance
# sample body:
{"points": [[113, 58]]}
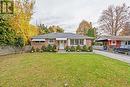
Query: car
{"points": [[122, 50]]}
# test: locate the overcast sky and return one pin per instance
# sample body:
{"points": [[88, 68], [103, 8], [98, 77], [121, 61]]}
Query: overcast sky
{"points": [[69, 13]]}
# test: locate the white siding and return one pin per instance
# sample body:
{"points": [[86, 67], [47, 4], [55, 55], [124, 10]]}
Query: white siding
{"points": [[85, 41], [124, 44], [68, 42], [61, 38]]}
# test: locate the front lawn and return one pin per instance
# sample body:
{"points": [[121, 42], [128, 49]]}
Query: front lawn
{"points": [[56, 70]]}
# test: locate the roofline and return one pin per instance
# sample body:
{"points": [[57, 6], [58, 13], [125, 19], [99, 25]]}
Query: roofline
{"points": [[82, 37], [121, 38], [67, 38]]}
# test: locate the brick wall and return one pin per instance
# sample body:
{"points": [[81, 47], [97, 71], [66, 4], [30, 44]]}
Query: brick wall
{"points": [[89, 42], [37, 44], [67, 43]]}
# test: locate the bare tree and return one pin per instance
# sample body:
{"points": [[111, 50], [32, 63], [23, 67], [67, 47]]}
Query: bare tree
{"points": [[114, 19], [126, 30]]}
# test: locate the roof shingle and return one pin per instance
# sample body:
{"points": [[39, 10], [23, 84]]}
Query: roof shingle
{"points": [[61, 35], [123, 38]]}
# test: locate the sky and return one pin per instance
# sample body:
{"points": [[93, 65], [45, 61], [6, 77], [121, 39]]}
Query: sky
{"points": [[69, 13]]}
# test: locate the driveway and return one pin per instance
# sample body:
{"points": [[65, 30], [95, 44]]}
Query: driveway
{"points": [[120, 57]]}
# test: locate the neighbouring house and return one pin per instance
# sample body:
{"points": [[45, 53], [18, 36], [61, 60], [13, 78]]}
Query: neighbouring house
{"points": [[114, 42], [61, 40]]}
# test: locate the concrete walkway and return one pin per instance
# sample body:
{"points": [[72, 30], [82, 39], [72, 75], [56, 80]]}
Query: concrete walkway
{"points": [[120, 57]]}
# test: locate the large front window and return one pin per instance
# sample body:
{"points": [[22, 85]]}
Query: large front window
{"points": [[72, 42], [81, 42], [128, 42], [76, 41]]}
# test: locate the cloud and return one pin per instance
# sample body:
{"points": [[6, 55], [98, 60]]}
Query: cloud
{"points": [[69, 13]]}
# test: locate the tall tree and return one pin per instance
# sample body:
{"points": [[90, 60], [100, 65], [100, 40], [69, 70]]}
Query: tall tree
{"points": [[45, 30], [91, 32], [7, 34], [114, 19], [126, 30], [20, 21], [84, 26], [55, 29]]}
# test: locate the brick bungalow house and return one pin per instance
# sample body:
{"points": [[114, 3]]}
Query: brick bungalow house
{"points": [[61, 40], [115, 41]]}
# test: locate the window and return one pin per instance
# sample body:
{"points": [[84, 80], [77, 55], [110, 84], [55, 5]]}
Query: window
{"points": [[71, 41], [81, 41], [76, 41], [128, 42], [65, 42], [114, 42], [37, 41], [51, 41]]}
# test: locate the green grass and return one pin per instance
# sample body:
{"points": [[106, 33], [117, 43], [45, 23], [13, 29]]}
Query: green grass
{"points": [[55, 70]]}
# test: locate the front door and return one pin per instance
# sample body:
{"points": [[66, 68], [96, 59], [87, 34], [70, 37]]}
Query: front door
{"points": [[61, 45]]}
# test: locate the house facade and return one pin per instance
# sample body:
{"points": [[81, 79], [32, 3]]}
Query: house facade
{"points": [[61, 40], [115, 42]]}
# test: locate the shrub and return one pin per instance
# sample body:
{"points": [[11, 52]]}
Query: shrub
{"points": [[19, 42], [67, 48], [85, 48], [72, 49], [44, 48], [54, 48], [49, 48], [32, 50], [78, 48], [90, 48], [37, 50], [8, 36]]}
